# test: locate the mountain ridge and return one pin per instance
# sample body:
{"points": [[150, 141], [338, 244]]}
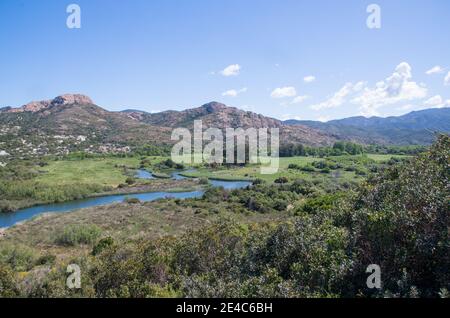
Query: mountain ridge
{"points": [[417, 127], [73, 122]]}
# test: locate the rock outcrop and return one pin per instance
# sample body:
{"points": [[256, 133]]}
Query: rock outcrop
{"points": [[66, 99]]}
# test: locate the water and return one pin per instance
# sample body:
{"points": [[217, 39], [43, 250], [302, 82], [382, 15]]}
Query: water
{"points": [[144, 174], [9, 219]]}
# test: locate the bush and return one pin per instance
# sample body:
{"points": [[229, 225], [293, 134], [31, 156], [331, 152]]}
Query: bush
{"points": [[307, 168], [19, 257], [325, 170], [280, 205], [282, 180], [203, 181], [132, 200], [258, 181], [46, 260], [8, 286], [401, 220], [7, 206], [102, 245], [78, 234]]}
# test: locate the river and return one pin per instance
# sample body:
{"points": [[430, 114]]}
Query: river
{"points": [[9, 219]]}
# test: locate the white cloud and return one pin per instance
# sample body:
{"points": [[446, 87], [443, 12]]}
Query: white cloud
{"points": [[337, 99], [406, 107], [309, 79], [396, 88], [435, 70], [231, 70], [323, 119], [434, 101], [437, 101], [359, 86], [289, 116], [234, 92], [447, 79], [299, 99], [282, 92]]}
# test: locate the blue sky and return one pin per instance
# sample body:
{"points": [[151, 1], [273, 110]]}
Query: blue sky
{"points": [[283, 58]]}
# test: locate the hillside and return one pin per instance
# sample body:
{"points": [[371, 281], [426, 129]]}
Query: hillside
{"points": [[71, 123], [218, 115], [417, 127]]}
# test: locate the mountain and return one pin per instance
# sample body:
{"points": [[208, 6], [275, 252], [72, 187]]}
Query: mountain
{"points": [[415, 128], [73, 122], [220, 116], [213, 114], [5, 109], [62, 100]]}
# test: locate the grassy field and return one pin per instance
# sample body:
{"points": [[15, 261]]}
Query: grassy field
{"points": [[66, 180], [381, 158], [123, 222], [251, 172], [108, 171]]}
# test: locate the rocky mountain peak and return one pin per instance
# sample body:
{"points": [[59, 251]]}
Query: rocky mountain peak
{"points": [[214, 107], [66, 99]]}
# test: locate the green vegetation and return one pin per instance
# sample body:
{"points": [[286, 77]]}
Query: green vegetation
{"points": [[310, 234], [30, 182], [78, 234], [347, 148], [345, 168]]}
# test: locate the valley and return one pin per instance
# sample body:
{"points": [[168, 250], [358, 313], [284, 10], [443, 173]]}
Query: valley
{"points": [[81, 185]]}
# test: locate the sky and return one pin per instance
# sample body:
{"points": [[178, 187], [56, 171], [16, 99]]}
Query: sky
{"points": [[289, 59]]}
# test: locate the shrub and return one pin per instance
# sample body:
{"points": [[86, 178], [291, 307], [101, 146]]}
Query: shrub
{"points": [[325, 170], [282, 180], [258, 181], [401, 220], [46, 259], [78, 234], [7, 206], [102, 245], [302, 186], [280, 205], [307, 168], [203, 181], [7, 283], [19, 257], [132, 200]]}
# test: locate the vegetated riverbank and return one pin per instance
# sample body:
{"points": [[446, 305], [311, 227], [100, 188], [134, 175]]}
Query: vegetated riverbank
{"points": [[25, 183], [156, 185]]}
